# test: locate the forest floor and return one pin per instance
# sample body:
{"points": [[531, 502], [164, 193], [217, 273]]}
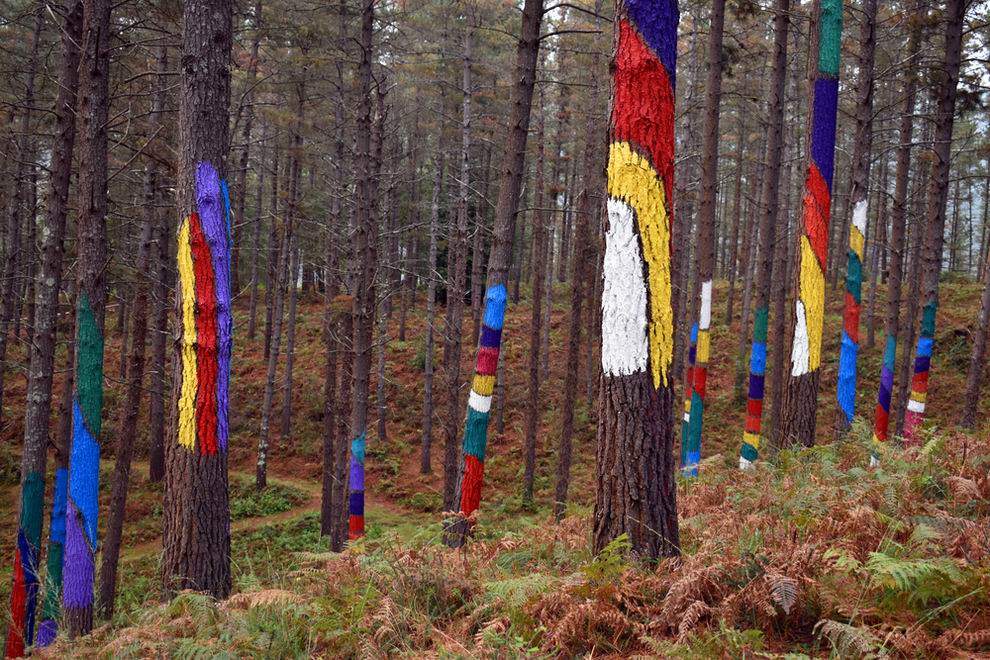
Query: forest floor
{"points": [[808, 554]]}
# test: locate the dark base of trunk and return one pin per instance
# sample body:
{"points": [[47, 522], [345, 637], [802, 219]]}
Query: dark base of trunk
{"points": [[637, 488], [800, 410]]}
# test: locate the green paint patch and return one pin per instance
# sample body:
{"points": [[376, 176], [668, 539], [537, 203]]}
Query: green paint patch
{"points": [[830, 37], [89, 373]]}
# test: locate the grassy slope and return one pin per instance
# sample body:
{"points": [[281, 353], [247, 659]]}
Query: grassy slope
{"points": [[528, 587]]}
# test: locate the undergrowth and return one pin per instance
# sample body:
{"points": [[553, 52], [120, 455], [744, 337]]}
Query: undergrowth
{"points": [[814, 554]]}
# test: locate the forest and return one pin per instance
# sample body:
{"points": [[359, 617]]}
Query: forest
{"points": [[494, 328]]}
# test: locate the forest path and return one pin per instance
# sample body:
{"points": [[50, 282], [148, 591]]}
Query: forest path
{"points": [[313, 490]]}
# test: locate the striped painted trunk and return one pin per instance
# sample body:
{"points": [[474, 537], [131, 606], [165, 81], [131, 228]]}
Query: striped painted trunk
{"points": [[801, 392]]}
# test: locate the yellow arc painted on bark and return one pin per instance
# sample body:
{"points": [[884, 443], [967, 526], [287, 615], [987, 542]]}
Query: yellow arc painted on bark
{"points": [[813, 298], [187, 393], [633, 180]]}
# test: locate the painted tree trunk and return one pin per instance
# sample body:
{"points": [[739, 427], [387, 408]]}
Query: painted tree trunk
{"points": [[87, 405], [51, 606], [769, 232], [471, 472], [636, 493], [800, 403], [859, 201], [196, 511], [38, 407], [705, 250], [881, 420], [365, 240], [935, 220]]}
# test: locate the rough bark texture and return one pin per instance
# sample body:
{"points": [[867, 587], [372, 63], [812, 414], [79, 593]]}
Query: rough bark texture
{"points": [[800, 402], [365, 240], [539, 278], [897, 244], [769, 233], [858, 208], [196, 517], [948, 81], [582, 292], [84, 468], [705, 250], [431, 303], [636, 488], [38, 406], [129, 417], [510, 182]]}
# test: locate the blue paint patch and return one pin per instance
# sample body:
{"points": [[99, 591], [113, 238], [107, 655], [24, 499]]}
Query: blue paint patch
{"points": [[84, 473], [357, 448], [657, 23], [57, 530], [694, 333], [691, 460], [495, 306], [846, 390], [823, 127], [758, 359], [925, 345]]}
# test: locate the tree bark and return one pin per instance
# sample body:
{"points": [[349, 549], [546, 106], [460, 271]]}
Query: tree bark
{"points": [[84, 458], [948, 81], [636, 488], [245, 155], [800, 398], [859, 203], [705, 250], [471, 471], [38, 405], [897, 245], [196, 518]]}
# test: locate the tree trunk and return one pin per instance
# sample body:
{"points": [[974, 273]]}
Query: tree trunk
{"points": [[733, 248], [879, 247], [948, 79], [636, 493], [285, 429], [456, 284], [768, 241], [84, 458], [859, 202], [431, 297], [196, 518], [705, 251], [800, 398], [898, 214], [38, 405], [256, 240], [582, 289], [510, 182], [539, 279], [132, 403], [365, 241], [271, 284], [977, 362], [245, 155], [156, 414]]}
